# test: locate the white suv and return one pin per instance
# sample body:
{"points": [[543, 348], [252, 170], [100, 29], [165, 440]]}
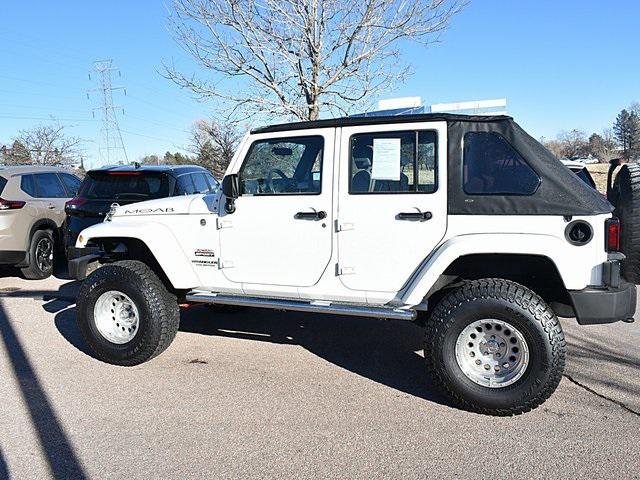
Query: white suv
{"points": [[465, 224]]}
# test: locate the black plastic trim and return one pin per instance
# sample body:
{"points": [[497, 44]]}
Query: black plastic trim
{"points": [[12, 257], [595, 306]]}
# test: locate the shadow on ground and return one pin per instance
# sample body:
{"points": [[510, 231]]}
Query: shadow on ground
{"points": [[60, 454], [381, 350]]}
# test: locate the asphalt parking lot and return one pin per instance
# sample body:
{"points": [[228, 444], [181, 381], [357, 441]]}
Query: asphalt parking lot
{"points": [[261, 394]]}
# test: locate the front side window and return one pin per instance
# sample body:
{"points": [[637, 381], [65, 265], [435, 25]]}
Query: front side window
{"points": [[283, 166], [491, 166], [393, 162], [200, 183]]}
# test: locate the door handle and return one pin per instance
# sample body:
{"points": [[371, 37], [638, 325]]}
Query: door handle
{"points": [[421, 216], [310, 215]]}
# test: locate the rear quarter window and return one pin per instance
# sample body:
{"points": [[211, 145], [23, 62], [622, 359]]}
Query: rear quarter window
{"points": [[28, 185], [491, 166], [3, 182]]}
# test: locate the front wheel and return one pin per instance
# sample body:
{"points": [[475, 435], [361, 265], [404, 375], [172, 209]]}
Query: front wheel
{"points": [[495, 347], [126, 314]]}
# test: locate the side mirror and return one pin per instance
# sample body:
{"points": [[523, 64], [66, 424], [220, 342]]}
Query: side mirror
{"points": [[231, 191]]}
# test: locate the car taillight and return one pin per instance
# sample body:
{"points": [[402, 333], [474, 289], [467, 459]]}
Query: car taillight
{"points": [[612, 235], [10, 204], [74, 203]]}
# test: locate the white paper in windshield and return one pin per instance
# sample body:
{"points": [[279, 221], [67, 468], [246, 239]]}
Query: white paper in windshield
{"points": [[386, 159]]}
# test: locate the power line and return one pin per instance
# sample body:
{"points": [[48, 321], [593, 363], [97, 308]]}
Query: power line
{"points": [[110, 136]]}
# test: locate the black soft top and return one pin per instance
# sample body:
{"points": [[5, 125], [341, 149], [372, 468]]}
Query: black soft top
{"points": [[379, 120], [560, 192]]}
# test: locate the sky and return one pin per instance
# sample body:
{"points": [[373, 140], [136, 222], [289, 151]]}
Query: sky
{"points": [[561, 64]]}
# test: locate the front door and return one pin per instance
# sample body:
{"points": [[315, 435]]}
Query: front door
{"points": [[280, 232], [392, 208]]}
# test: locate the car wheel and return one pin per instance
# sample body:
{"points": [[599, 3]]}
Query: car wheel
{"points": [[494, 347], [41, 256], [126, 314]]}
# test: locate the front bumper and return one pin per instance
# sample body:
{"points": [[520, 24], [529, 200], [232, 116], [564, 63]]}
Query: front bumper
{"points": [[80, 258], [604, 305]]}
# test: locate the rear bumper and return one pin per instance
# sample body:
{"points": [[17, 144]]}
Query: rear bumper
{"points": [[604, 305], [80, 258]]}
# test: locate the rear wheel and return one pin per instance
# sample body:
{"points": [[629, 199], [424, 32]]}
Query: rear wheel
{"points": [[126, 314], [495, 347], [626, 198], [41, 256]]}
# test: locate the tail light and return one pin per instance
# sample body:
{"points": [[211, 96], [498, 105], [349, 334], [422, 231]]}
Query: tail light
{"points": [[612, 235], [10, 204], [74, 203]]}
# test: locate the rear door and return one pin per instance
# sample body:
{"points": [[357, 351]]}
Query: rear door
{"points": [[392, 202], [280, 232], [53, 195]]}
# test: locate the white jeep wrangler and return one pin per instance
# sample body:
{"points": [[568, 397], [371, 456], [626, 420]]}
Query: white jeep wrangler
{"points": [[465, 224]]}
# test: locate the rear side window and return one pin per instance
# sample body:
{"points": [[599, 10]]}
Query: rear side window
{"points": [[48, 185], [185, 185], [71, 182], [118, 185], [491, 166], [200, 183], [393, 162]]}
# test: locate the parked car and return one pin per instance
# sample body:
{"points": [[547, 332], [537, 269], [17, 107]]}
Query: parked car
{"points": [[129, 184], [580, 169], [31, 215], [464, 224]]}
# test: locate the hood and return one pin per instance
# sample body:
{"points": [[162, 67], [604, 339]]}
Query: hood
{"points": [[182, 205]]}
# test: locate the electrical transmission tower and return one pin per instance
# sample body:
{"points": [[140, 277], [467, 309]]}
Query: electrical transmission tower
{"points": [[111, 146]]}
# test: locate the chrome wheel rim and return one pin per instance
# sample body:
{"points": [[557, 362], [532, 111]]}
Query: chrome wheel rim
{"points": [[116, 317], [44, 254], [492, 353]]}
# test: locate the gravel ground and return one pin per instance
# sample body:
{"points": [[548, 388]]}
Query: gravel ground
{"points": [[260, 394]]}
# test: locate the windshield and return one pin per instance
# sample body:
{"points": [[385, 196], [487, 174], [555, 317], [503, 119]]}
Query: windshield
{"points": [[137, 186]]}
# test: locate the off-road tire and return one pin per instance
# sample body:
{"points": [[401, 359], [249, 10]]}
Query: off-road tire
{"points": [[158, 309], [626, 198], [510, 302], [32, 271]]}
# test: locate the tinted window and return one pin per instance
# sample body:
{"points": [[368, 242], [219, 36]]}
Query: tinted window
{"points": [[71, 182], [135, 186], [28, 185], [393, 162], [492, 166], [48, 185], [282, 167], [201, 183], [213, 183], [3, 182], [585, 176], [185, 185]]}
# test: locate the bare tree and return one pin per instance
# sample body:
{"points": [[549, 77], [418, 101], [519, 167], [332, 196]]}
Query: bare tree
{"points": [[214, 144], [296, 58], [50, 145], [603, 146]]}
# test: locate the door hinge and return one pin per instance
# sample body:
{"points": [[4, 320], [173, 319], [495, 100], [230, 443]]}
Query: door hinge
{"points": [[344, 226], [222, 223], [225, 264], [346, 270]]}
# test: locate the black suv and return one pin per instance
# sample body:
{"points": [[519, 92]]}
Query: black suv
{"points": [[130, 184]]}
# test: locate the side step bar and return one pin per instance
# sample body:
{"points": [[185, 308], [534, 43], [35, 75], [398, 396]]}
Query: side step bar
{"points": [[301, 306]]}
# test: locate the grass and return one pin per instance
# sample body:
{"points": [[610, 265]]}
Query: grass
{"points": [[599, 173]]}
